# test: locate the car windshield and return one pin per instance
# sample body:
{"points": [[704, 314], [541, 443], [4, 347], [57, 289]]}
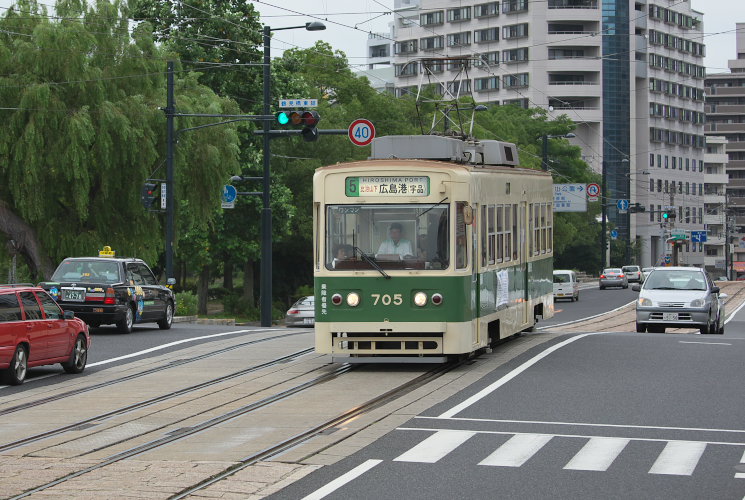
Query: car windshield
{"points": [[561, 278], [93, 270], [675, 280], [631, 269], [411, 236]]}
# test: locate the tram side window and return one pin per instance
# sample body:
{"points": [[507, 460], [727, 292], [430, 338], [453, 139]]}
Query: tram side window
{"points": [[544, 225], [507, 233], [536, 228], [550, 218], [461, 242], [492, 235], [483, 236], [500, 233], [515, 242]]}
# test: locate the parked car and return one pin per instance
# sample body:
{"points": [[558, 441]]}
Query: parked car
{"points": [[633, 274], [646, 271], [302, 312], [34, 331], [679, 297], [613, 276], [566, 285], [108, 290]]}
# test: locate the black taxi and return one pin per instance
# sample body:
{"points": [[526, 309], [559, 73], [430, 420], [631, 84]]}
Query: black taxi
{"points": [[107, 290]]}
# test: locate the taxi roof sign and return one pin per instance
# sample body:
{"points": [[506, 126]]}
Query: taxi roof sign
{"points": [[106, 252]]}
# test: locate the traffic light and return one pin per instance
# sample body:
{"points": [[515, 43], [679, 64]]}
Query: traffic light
{"points": [[668, 214], [147, 196], [637, 207], [300, 118]]}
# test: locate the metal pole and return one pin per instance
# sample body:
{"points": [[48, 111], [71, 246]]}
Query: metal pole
{"points": [[628, 217], [604, 216], [170, 111], [266, 213], [544, 166]]}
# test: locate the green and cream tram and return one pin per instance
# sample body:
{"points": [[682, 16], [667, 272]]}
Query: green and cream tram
{"points": [[434, 247]]}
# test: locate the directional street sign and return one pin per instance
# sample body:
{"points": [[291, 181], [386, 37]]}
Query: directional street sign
{"points": [[698, 236], [623, 205], [163, 195], [298, 103], [680, 235], [614, 234], [229, 194], [593, 192], [570, 198], [667, 259]]}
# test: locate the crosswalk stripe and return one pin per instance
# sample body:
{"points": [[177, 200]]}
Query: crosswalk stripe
{"points": [[517, 450], [435, 447], [741, 475], [597, 454], [679, 458]]}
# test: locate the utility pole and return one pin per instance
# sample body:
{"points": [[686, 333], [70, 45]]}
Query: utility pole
{"points": [[170, 133], [604, 216]]}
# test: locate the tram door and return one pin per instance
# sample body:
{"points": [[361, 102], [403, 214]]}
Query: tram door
{"points": [[523, 256]]}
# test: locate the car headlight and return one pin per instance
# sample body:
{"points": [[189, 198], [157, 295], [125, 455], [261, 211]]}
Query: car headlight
{"points": [[353, 299], [697, 303], [645, 302], [420, 299]]}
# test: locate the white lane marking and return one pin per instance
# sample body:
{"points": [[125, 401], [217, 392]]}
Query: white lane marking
{"points": [[741, 475], [435, 447], [598, 454], [585, 424], [679, 458], [517, 450], [731, 316], [709, 343], [171, 344], [506, 378], [342, 480], [583, 436], [585, 319]]}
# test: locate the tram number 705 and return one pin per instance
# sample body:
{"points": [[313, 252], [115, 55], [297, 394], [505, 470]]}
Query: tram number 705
{"points": [[386, 299]]}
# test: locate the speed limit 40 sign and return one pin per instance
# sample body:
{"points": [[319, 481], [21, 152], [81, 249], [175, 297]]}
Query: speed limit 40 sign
{"points": [[361, 132]]}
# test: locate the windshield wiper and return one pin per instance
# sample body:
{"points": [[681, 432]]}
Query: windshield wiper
{"points": [[433, 206], [664, 288], [372, 262]]}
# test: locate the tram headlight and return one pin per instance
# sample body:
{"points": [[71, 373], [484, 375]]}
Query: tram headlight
{"points": [[353, 299], [420, 299], [336, 299], [437, 299]]}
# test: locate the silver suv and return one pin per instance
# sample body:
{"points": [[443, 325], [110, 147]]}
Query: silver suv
{"points": [[633, 273], [679, 297]]}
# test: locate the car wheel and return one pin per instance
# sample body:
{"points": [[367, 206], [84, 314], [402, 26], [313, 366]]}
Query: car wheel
{"points": [[577, 298], [602, 287], [16, 372], [78, 357], [167, 321], [625, 287], [126, 324], [641, 328], [656, 329]]}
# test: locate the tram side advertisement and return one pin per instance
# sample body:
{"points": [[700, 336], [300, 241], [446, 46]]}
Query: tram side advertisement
{"points": [[386, 186]]}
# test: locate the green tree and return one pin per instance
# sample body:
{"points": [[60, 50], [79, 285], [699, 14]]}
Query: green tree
{"points": [[84, 130]]}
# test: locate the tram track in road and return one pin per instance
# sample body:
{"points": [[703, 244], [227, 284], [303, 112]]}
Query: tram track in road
{"points": [[184, 432], [149, 371]]}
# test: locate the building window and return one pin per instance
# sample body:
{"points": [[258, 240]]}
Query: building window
{"points": [[432, 66], [510, 6], [487, 59], [432, 43], [459, 14], [432, 18], [516, 80], [486, 35], [515, 55], [515, 31], [688, 163], [459, 86], [459, 39], [666, 163], [651, 213], [651, 185], [406, 69], [489, 83], [651, 159], [406, 47], [486, 9]]}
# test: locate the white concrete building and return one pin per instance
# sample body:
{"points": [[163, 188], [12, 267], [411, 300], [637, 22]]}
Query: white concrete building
{"points": [[715, 206]]}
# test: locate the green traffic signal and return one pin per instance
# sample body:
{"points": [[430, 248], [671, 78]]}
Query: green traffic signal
{"points": [[665, 215], [283, 118]]}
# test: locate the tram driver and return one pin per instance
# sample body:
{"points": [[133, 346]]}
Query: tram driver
{"points": [[395, 245]]}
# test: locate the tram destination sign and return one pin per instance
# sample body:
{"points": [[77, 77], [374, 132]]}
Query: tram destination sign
{"points": [[386, 186]]}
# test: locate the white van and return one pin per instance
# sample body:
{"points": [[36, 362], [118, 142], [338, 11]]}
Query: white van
{"points": [[566, 285]]}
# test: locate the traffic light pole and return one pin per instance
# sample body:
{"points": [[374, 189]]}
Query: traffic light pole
{"points": [[170, 141], [604, 217], [265, 294]]}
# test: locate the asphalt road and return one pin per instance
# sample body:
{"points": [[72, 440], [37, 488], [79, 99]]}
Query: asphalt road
{"points": [[613, 415], [592, 301]]}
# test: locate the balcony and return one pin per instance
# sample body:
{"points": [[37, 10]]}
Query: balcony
{"points": [[572, 4], [716, 179], [715, 91], [735, 146], [724, 127], [717, 219], [735, 183], [736, 202], [714, 198], [729, 109], [736, 165]]}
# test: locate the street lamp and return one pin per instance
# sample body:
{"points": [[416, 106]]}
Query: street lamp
{"points": [[546, 137], [266, 213]]}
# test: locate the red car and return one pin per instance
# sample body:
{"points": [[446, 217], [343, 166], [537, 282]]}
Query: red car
{"points": [[34, 331]]}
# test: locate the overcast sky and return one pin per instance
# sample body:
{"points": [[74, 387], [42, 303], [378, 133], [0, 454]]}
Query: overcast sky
{"points": [[342, 16]]}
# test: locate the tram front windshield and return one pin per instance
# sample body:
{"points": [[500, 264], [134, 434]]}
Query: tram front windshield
{"points": [[410, 236]]}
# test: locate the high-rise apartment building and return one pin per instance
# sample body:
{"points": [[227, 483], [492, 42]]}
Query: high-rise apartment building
{"points": [[725, 112], [629, 74], [717, 256]]}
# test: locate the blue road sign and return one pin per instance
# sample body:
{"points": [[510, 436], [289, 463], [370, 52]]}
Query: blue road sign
{"points": [[667, 259], [698, 236], [229, 193], [614, 234], [623, 204]]}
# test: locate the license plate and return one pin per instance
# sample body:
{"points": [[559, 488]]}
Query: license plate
{"points": [[307, 321], [670, 316], [73, 294]]}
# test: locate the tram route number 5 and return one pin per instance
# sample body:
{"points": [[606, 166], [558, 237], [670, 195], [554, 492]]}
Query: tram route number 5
{"points": [[386, 299], [361, 132]]}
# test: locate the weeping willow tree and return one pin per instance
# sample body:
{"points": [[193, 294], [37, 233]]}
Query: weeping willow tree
{"points": [[81, 129]]}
